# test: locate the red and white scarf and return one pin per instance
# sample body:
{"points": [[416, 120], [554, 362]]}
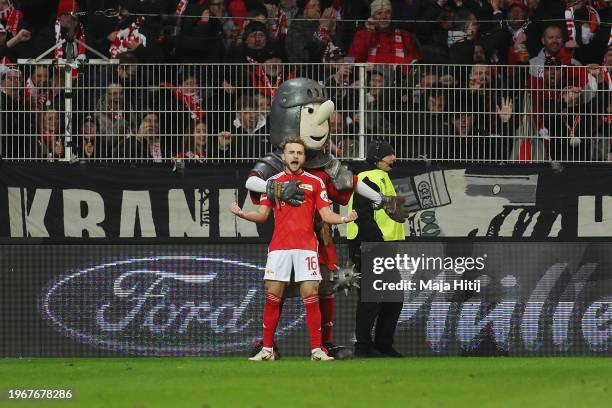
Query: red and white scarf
{"points": [[79, 34], [399, 57], [42, 96], [13, 20], [128, 35], [571, 27], [280, 24], [192, 102], [521, 30], [261, 81], [182, 6]]}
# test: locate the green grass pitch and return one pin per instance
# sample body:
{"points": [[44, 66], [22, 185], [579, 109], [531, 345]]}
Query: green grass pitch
{"points": [[298, 382]]}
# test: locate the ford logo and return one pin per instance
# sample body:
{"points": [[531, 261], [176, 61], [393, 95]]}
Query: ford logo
{"points": [[164, 305]]}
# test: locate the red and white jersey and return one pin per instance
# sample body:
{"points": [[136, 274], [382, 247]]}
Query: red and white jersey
{"points": [[294, 226]]}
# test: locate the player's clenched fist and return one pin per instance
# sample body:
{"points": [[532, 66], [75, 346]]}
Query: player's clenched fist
{"points": [[351, 217], [259, 216], [235, 209]]}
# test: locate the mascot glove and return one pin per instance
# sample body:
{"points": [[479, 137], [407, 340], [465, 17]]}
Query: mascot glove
{"points": [[288, 192], [394, 207]]}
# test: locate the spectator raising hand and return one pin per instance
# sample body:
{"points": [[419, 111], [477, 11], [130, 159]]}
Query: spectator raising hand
{"points": [[506, 109]]}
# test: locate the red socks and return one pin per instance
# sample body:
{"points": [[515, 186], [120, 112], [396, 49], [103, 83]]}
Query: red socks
{"points": [[319, 318], [313, 320], [327, 304], [271, 316]]}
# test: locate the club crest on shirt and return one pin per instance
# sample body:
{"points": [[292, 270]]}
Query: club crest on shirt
{"points": [[324, 196], [306, 187]]}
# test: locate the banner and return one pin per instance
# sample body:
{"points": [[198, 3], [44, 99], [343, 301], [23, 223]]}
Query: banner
{"points": [[94, 203], [207, 300]]}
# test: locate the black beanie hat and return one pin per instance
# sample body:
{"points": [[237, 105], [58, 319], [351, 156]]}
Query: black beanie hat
{"points": [[377, 149], [252, 27]]}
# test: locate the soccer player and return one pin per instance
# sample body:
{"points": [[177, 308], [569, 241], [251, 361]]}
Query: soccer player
{"points": [[293, 245]]}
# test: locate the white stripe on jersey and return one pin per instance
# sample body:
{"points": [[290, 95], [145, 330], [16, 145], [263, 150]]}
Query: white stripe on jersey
{"points": [[315, 177]]}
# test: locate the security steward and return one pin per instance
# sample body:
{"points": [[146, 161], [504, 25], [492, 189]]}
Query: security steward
{"points": [[374, 225]]}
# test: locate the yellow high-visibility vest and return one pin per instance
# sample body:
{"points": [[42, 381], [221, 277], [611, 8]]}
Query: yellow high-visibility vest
{"points": [[391, 230]]}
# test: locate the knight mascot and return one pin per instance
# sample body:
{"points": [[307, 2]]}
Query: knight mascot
{"points": [[301, 108]]}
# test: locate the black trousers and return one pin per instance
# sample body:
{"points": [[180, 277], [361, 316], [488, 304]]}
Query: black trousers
{"points": [[380, 316]]}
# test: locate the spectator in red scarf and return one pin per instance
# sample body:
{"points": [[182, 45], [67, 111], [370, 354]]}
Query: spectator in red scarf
{"points": [[148, 143], [254, 42], [49, 143], [37, 87], [67, 25], [280, 17], [265, 77], [11, 18], [195, 145], [8, 42], [553, 45], [515, 45], [379, 42], [582, 22], [134, 33], [262, 58], [13, 32], [186, 97]]}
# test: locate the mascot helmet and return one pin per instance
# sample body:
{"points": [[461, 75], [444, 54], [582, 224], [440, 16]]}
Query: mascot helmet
{"points": [[301, 108]]}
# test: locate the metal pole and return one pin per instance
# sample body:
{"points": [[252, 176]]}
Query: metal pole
{"points": [[68, 111], [362, 106]]}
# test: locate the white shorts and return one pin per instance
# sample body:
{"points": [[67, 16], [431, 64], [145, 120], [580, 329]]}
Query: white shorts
{"points": [[305, 263]]}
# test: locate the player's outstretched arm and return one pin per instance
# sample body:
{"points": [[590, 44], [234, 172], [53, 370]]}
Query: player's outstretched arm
{"points": [[330, 217], [259, 216]]}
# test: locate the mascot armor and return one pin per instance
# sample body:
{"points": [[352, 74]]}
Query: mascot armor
{"points": [[301, 108]]}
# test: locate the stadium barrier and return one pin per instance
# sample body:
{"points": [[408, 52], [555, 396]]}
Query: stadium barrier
{"points": [[102, 202], [207, 300], [100, 259], [159, 113]]}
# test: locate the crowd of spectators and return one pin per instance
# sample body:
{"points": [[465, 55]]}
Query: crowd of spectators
{"points": [[445, 79]]}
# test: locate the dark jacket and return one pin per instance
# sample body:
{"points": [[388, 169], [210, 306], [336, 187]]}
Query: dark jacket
{"points": [[581, 121], [368, 229], [302, 45], [198, 42]]}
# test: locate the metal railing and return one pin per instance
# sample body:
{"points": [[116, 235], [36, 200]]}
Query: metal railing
{"points": [[161, 113]]}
